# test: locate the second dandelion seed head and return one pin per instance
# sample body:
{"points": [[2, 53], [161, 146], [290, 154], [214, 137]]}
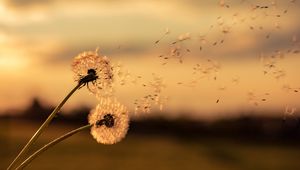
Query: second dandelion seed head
{"points": [[110, 121]]}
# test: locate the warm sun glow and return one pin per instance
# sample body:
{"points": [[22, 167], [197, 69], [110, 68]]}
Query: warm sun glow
{"points": [[12, 63], [209, 53]]}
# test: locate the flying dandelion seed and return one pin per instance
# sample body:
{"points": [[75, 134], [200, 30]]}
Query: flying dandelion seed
{"points": [[203, 39], [289, 112], [288, 88], [182, 37], [226, 29], [255, 99], [94, 71], [110, 121], [167, 31], [235, 80], [222, 88], [294, 39], [136, 79], [252, 99], [222, 4], [277, 25], [296, 51]]}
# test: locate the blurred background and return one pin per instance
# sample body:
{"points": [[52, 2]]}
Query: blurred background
{"points": [[223, 75]]}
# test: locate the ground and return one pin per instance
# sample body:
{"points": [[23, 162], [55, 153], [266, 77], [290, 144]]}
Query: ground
{"points": [[144, 151]]}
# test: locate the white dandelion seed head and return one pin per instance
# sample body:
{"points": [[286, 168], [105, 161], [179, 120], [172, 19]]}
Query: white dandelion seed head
{"points": [[83, 62], [110, 121]]}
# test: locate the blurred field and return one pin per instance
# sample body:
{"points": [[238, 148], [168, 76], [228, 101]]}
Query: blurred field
{"points": [[146, 151]]}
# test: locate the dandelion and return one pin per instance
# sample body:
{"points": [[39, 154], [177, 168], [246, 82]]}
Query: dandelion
{"points": [[94, 71], [88, 67], [110, 121]]}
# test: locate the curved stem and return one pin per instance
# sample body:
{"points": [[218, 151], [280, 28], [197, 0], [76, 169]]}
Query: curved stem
{"points": [[50, 144], [43, 127]]}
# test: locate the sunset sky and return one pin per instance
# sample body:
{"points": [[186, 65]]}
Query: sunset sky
{"points": [[246, 53]]}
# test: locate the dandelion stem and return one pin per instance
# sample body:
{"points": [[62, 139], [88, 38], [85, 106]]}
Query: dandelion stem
{"points": [[43, 127], [50, 144]]}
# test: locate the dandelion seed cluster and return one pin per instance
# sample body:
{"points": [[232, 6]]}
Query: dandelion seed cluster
{"points": [[271, 66], [110, 121], [207, 69], [91, 60], [144, 104], [121, 75]]}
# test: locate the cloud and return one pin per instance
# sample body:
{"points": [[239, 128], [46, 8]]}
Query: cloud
{"points": [[72, 28], [27, 4]]}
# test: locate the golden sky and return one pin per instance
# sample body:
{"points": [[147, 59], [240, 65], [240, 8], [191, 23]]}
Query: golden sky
{"points": [[234, 55]]}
